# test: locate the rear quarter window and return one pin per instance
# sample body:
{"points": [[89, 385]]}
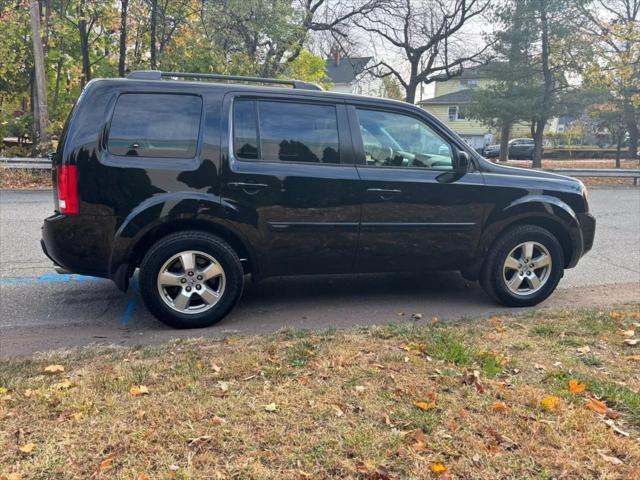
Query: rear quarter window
{"points": [[155, 125]]}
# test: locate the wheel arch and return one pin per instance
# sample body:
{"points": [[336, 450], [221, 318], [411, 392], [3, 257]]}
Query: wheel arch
{"points": [[124, 268]]}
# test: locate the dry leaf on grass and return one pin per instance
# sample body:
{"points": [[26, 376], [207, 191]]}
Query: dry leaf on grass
{"points": [[634, 358], [64, 385], [143, 476], [576, 387], [500, 406], [610, 459], [53, 369], [139, 390], [626, 333], [425, 405], [550, 403], [631, 342], [272, 407], [597, 406], [11, 476], [106, 463], [438, 467], [27, 448]]}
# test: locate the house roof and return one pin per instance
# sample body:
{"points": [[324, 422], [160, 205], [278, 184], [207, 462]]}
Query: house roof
{"points": [[472, 73], [346, 69], [461, 96]]}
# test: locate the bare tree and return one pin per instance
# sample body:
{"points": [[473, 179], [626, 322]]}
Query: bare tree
{"points": [[41, 87], [429, 37]]}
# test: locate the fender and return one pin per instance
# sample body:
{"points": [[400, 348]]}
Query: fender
{"points": [[193, 208], [535, 207]]}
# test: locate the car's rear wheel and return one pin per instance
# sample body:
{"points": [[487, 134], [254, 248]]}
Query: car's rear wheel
{"points": [[190, 279], [523, 267]]}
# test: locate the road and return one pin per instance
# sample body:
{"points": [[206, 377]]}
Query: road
{"points": [[40, 310]]}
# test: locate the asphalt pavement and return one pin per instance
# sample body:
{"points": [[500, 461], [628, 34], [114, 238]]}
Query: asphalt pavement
{"points": [[41, 310]]}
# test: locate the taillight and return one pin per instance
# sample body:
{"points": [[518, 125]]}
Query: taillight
{"points": [[68, 188]]}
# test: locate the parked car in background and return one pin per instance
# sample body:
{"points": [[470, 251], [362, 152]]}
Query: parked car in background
{"points": [[519, 149], [198, 183]]}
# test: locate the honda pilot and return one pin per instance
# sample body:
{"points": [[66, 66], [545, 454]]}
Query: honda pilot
{"points": [[199, 180]]}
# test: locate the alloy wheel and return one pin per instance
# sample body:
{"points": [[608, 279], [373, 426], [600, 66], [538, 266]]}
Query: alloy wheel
{"points": [[191, 282], [527, 268]]}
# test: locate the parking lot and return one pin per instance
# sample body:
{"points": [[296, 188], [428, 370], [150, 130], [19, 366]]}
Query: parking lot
{"points": [[41, 310]]}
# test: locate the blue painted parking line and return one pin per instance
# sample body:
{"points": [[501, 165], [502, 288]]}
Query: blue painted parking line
{"points": [[49, 278], [133, 300]]}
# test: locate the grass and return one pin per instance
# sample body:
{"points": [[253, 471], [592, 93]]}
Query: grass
{"points": [[349, 404]]}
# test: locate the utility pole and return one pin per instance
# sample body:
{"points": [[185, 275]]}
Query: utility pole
{"points": [[38, 58]]}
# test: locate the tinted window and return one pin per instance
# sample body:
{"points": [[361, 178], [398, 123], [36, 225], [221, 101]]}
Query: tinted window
{"points": [[155, 125], [396, 140], [245, 135]]}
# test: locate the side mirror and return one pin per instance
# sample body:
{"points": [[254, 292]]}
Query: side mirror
{"points": [[463, 162]]}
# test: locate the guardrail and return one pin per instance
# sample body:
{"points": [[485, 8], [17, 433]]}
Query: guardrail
{"points": [[45, 163], [600, 172], [25, 163]]}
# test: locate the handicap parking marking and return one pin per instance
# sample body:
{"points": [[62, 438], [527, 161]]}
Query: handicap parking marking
{"points": [[134, 290], [49, 278]]}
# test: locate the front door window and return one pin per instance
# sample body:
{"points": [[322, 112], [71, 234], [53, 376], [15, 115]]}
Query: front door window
{"points": [[397, 140]]}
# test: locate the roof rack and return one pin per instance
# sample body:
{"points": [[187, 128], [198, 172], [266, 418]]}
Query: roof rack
{"points": [[159, 75]]}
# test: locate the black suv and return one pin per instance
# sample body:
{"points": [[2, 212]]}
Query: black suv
{"points": [[198, 183]]}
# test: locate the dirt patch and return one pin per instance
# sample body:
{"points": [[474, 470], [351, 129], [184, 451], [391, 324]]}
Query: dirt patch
{"points": [[547, 395]]}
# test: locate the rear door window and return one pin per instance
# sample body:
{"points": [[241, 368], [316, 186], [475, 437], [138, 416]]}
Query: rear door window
{"points": [[155, 125], [286, 132]]}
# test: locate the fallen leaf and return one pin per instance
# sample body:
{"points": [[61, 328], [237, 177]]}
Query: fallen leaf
{"points": [[200, 365], [438, 468], [215, 368], [272, 407], [626, 333], [634, 358], [597, 406], [106, 463], [27, 448], [550, 403], [139, 390], [500, 406], [11, 476], [583, 350], [359, 389], [576, 387], [141, 414], [473, 378], [615, 428], [631, 342], [610, 459], [216, 420], [338, 410], [476, 458], [3, 391], [143, 476], [538, 366], [53, 369], [425, 405], [199, 440], [224, 386]]}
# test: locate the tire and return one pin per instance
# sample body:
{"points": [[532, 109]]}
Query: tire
{"points": [[501, 272], [195, 261]]}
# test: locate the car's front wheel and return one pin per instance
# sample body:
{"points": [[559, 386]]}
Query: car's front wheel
{"points": [[523, 267], [190, 279]]}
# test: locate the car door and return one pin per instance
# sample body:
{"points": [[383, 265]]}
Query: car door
{"points": [[418, 212], [289, 184]]}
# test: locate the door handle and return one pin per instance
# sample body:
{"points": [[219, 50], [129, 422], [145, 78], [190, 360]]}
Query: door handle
{"points": [[249, 188], [385, 193]]}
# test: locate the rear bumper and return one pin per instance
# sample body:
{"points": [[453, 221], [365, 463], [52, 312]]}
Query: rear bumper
{"points": [[72, 244]]}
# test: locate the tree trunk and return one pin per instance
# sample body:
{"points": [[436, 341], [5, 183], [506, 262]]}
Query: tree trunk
{"points": [[123, 37], [504, 142], [56, 92], [84, 48], [154, 20], [548, 87], [40, 80], [619, 148], [538, 137]]}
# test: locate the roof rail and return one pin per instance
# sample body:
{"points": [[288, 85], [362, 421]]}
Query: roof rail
{"points": [[159, 75]]}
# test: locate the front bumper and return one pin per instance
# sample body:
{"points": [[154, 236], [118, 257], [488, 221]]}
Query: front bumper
{"points": [[588, 228]]}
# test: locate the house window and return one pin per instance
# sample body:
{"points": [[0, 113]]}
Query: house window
{"points": [[468, 84], [456, 113]]}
